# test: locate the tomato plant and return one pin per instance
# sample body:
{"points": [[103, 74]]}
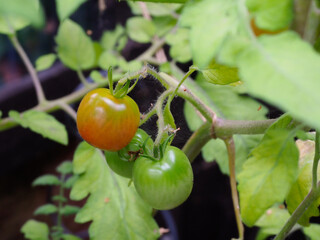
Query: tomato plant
{"points": [[107, 122], [210, 54], [121, 162], [164, 183]]}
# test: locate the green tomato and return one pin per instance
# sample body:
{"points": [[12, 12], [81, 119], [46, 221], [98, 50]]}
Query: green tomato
{"points": [[166, 183], [122, 161]]}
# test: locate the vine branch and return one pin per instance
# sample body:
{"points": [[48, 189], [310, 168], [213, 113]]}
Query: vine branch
{"points": [[229, 142], [33, 74]]}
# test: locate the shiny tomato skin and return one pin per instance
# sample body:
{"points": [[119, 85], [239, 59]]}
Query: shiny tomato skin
{"points": [[122, 161], [107, 122], [164, 184]]}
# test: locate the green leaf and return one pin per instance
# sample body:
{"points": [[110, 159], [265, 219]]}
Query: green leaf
{"points": [[110, 39], [313, 231], [70, 237], [229, 104], [42, 123], [97, 77], [66, 7], [271, 14], [166, 8], [69, 210], [47, 179], [75, 48], [210, 21], [70, 181], [46, 209], [108, 59], [273, 220], [140, 29], [302, 186], [59, 198], [0, 114], [268, 174], [17, 14], [115, 209], [180, 47], [274, 60], [46, 61], [65, 167], [220, 74], [164, 24], [35, 230]]}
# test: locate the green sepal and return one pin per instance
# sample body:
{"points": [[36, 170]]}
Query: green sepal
{"points": [[122, 91]]}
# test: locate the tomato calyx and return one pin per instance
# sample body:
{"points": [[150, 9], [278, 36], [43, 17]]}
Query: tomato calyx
{"points": [[122, 89]]}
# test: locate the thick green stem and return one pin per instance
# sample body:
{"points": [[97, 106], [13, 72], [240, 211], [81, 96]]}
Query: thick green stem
{"points": [[224, 127], [304, 205], [316, 161], [198, 139], [229, 142], [33, 74]]}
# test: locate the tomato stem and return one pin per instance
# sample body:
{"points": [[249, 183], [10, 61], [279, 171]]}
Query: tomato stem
{"points": [[33, 74], [312, 196], [229, 142], [316, 161]]}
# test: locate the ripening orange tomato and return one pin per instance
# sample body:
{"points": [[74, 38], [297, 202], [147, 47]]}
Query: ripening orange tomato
{"points": [[107, 122]]}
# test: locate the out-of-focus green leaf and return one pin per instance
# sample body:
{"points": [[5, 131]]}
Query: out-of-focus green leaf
{"points": [[156, 9], [66, 7], [115, 209], [46, 209], [47, 179], [110, 39], [140, 29], [97, 77], [42, 123], [109, 59], [271, 14], [35, 230], [211, 21], [179, 45], [164, 24], [69, 210], [313, 231], [46, 61], [302, 186], [65, 167], [70, 181], [273, 220], [70, 237], [75, 48], [17, 14]]}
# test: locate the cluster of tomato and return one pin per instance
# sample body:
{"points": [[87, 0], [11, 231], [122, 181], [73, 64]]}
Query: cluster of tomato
{"points": [[164, 179]]}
